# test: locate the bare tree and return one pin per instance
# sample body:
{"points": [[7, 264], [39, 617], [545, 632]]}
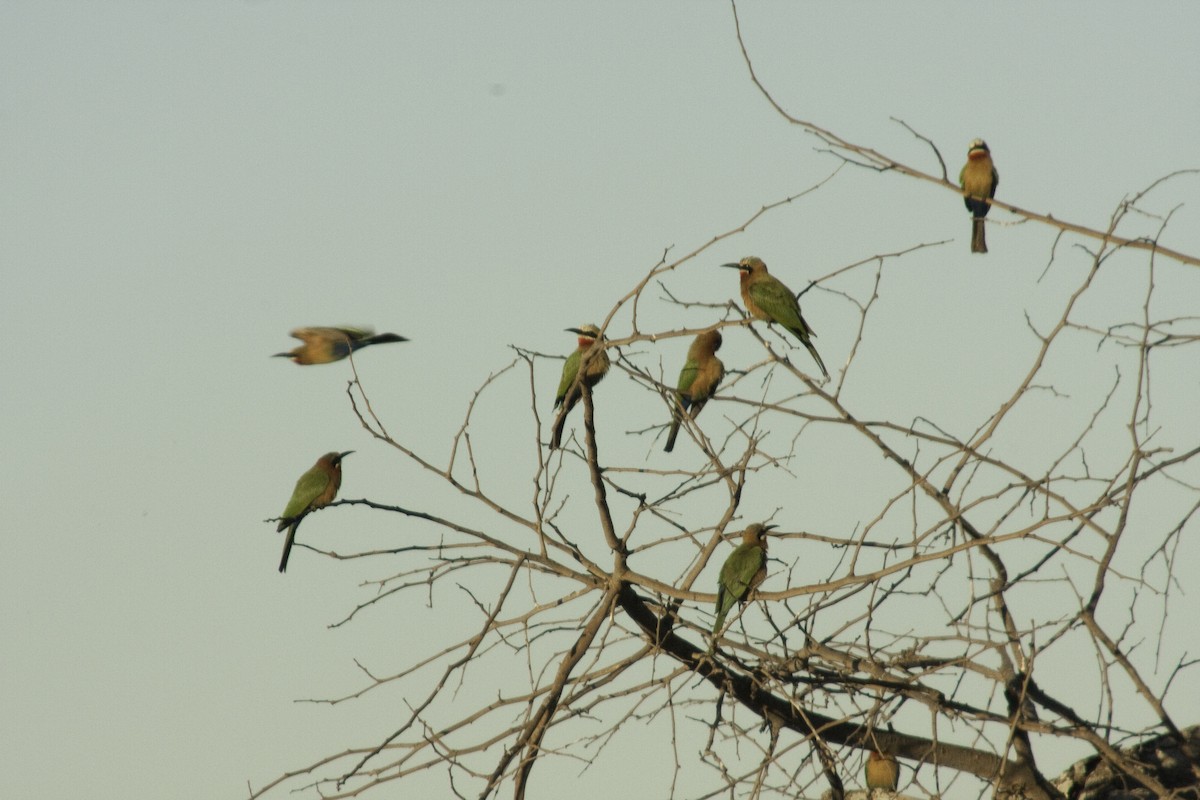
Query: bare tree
{"points": [[1002, 582]]}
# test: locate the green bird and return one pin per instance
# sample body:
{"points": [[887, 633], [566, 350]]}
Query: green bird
{"points": [[325, 345], [978, 180], [698, 380], [882, 772], [315, 489], [568, 391], [742, 572], [766, 298]]}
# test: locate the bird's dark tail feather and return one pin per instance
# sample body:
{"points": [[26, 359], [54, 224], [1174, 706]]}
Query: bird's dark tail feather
{"points": [[672, 434], [816, 357], [559, 424], [978, 237], [381, 338], [287, 546], [561, 421], [719, 622]]}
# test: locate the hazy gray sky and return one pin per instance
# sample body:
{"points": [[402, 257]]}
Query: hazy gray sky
{"points": [[182, 183]]}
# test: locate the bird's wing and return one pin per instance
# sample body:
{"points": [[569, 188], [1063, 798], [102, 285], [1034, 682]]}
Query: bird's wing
{"points": [[354, 334], [687, 376], [308, 488], [740, 568], [995, 182], [778, 302], [330, 334], [570, 368]]}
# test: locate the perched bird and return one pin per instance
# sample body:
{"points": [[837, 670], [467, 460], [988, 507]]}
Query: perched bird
{"points": [[742, 572], [882, 772], [315, 489], [324, 345], [979, 180], [568, 391], [766, 298], [697, 380]]}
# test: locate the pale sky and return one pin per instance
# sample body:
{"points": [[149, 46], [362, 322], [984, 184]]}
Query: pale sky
{"points": [[183, 183]]}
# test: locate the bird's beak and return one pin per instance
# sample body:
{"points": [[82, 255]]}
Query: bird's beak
{"points": [[281, 355], [735, 266], [344, 454], [573, 330], [769, 528]]}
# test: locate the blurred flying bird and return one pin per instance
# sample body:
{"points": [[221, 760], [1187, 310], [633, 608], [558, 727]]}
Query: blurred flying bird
{"points": [[315, 489], [766, 298], [697, 381], [568, 391], [742, 572], [325, 345], [979, 180]]}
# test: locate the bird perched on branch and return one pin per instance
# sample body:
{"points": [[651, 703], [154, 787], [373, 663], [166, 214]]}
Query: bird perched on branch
{"points": [[979, 180], [569, 391], [742, 572], [766, 298], [315, 489], [325, 345], [882, 772], [697, 381]]}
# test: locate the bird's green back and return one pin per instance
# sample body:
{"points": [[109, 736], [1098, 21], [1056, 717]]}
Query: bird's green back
{"points": [[570, 370], [740, 568], [687, 376], [778, 302], [308, 488]]}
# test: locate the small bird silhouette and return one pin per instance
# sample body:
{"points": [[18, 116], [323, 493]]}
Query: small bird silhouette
{"points": [[979, 180], [315, 489], [698, 380], [766, 298], [742, 572], [325, 345], [568, 392]]}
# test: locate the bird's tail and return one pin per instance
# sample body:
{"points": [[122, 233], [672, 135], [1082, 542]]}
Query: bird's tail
{"points": [[816, 356], [559, 423], [724, 603], [379, 338], [978, 237], [671, 435], [287, 545], [719, 622], [676, 419]]}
